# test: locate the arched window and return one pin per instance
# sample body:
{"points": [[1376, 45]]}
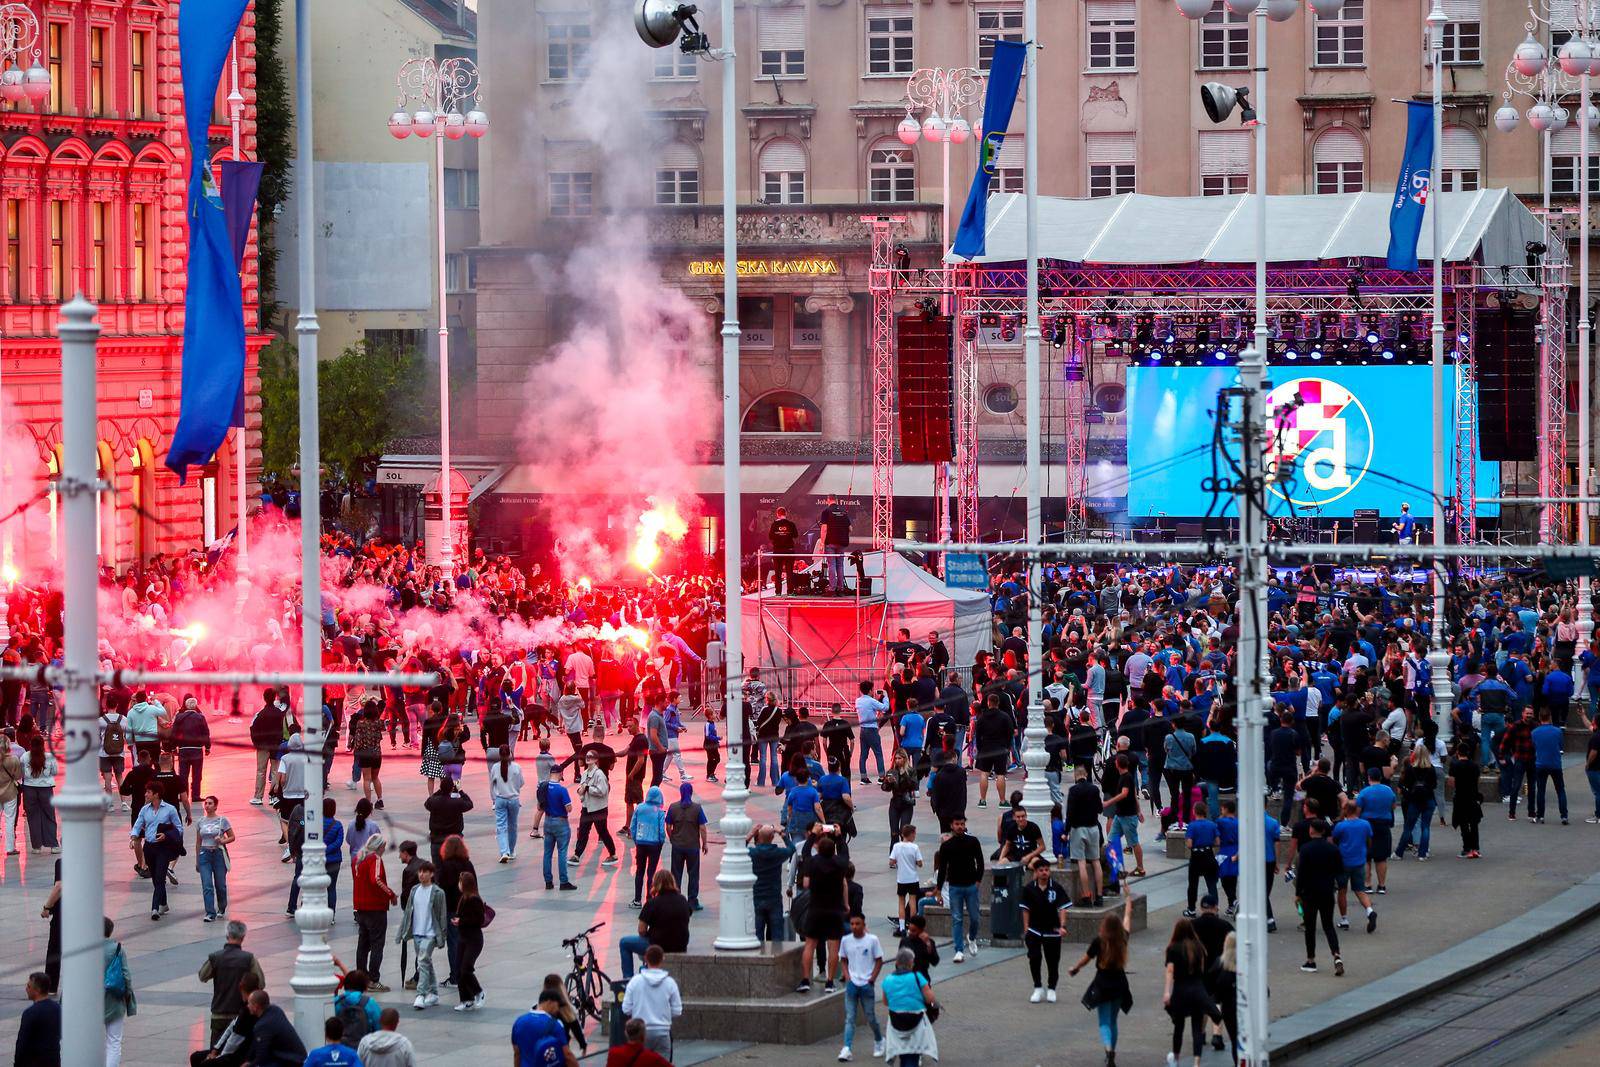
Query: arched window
{"points": [[783, 173], [1460, 161], [891, 173], [143, 462], [1339, 158], [105, 515], [782, 412], [678, 175]]}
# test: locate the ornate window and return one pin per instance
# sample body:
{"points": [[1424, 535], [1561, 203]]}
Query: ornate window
{"points": [[782, 412], [678, 175], [783, 173], [891, 173], [1339, 160]]}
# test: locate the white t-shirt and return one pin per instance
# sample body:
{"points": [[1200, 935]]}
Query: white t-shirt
{"points": [[422, 911], [907, 860], [860, 955]]}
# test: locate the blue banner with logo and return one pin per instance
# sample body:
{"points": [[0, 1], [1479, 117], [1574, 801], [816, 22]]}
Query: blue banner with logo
{"points": [[1412, 190], [241, 184], [1005, 77], [213, 310]]}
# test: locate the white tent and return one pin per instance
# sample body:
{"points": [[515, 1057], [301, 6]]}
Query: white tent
{"points": [[920, 602]]}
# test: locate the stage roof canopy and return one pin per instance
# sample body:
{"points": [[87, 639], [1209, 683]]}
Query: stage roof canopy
{"points": [[1490, 226]]}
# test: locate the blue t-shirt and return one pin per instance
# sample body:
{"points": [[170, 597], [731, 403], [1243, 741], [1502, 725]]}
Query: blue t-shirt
{"points": [[903, 992], [556, 800], [1274, 830], [911, 728], [333, 1056], [833, 786], [1227, 846], [532, 1029], [801, 799], [1376, 802], [1352, 835], [1547, 746], [1202, 833]]}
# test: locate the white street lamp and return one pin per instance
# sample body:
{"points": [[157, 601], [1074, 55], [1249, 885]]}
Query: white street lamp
{"points": [[441, 89], [945, 93], [660, 23], [1219, 102]]}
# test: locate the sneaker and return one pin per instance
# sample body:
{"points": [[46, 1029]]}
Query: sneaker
{"points": [[1216, 1042], [877, 1050], [972, 947], [845, 1055], [1050, 995], [409, 983], [1038, 995], [568, 887], [827, 987], [1344, 922], [286, 857], [504, 858], [377, 987], [209, 919], [466, 1005], [1272, 926], [1421, 858], [352, 785], [478, 1001], [577, 858], [1309, 966], [125, 806], [1383, 890], [959, 957], [711, 778], [253, 800], [289, 912], [377, 805], [1372, 920], [1189, 913], [1172, 1060], [1591, 820], [1563, 823], [155, 916], [420, 1003], [1338, 967], [804, 986], [609, 861], [1233, 909], [636, 904], [448, 983], [983, 803], [1539, 820]]}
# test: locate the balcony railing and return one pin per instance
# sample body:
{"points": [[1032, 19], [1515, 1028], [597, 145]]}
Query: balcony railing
{"points": [[800, 225]]}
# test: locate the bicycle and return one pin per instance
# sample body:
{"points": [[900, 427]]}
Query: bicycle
{"points": [[588, 987]]}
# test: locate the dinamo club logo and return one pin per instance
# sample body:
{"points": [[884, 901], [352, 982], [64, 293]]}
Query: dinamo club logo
{"points": [[1320, 439]]}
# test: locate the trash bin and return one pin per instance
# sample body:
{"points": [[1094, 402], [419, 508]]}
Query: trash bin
{"points": [[1005, 907], [618, 1020]]}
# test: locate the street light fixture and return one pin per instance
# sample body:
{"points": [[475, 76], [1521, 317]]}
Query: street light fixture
{"points": [[440, 89], [660, 23]]}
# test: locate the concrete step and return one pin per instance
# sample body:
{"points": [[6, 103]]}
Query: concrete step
{"points": [[1576, 738], [752, 995], [1082, 923]]}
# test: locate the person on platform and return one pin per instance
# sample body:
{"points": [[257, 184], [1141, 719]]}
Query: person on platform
{"points": [[781, 536]]}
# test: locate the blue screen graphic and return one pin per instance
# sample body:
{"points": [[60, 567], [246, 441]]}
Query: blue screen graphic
{"points": [[1347, 438]]}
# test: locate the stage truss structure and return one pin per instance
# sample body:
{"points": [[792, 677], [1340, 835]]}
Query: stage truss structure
{"points": [[1083, 298]]}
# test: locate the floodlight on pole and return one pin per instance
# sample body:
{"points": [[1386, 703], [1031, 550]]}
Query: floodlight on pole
{"points": [[1220, 100], [661, 22]]}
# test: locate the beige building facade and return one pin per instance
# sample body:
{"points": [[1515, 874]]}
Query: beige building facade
{"points": [[821, 92]]}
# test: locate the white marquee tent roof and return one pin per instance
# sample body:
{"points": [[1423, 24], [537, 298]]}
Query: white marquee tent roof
{"points": [[1490, 226]]}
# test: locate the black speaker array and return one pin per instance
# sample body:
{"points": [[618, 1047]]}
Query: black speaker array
{"points": [[1508, 384], [926, 388]]}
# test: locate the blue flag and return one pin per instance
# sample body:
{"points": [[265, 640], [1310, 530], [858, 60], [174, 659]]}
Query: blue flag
{"points": [[241, 182], [1412, 190], [1005, 77], [213, 310]]}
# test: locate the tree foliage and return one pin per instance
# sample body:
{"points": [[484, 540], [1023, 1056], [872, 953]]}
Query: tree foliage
{"points": [[366, 396], [274, 119]]}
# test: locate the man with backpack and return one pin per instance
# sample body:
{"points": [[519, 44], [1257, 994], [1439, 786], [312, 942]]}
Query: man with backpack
{"points": [[358, 1014], [113, 752], [539, 1037]]}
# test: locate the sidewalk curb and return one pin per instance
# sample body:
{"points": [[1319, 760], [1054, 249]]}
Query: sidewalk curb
{"points": [[1320, 1023]]}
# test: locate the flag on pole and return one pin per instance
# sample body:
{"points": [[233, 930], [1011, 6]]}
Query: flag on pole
{"points": [[1412, 190], [241, 182], [213, 311], [1005, 77]]}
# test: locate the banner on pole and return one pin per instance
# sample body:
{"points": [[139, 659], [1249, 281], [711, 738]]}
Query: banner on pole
{"points": [[241, 183], [966, 570], [1005, 78], [1412, 190], [213, 310]]}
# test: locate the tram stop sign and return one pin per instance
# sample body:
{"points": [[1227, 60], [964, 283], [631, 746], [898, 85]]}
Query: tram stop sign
{"points": [[1560, 567], [966, 570]]}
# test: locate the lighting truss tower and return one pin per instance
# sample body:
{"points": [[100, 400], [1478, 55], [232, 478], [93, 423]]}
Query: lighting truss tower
{"points": [[966, 379], [882, 286], [1078, 342], [1465, 483]]}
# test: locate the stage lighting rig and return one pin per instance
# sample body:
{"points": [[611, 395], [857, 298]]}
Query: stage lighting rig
{"points": [[1535, 251], [1008, 330], [1058, 333], [969, 329], [929, 306]]}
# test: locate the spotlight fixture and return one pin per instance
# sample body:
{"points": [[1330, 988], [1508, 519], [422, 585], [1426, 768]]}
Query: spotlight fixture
{"points": [[1230, 328], [660, 22], [1058, 334], [1535, 250], [969, 329], [1388, 353], [1220, 100], [1349, 327], [1291, 355], [1219, 355], [1316, 353], [1008, 331]]}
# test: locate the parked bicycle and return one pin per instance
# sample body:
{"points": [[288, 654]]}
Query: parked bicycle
{"points": [[588, 987]]}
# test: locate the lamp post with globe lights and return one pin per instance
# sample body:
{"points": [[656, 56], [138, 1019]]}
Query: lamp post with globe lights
{"points": [[19, 42], [440, 90], [1220, 101], [1536, 74], [945, 93]]}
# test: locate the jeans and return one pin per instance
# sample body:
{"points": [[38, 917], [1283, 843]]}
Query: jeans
{"points": [[1283, 778], [1594, 787], [505, 823], [157, 858], [37, 801], [1053, 780], [687, 861], [769, 920], [1414, 816], [861, 995], [767, 756], [1107, 1014], [8, 822], [333, 886], [871, 741], [371, 928], [294, 886], [1490, 726], [190, 763], [427, 981], [1209, 791], [1512, 776], [963, 905], [646, 857], [960, 746], [557, 832], [1541, 775], [213, 879], [834, 562], [629, 947]]}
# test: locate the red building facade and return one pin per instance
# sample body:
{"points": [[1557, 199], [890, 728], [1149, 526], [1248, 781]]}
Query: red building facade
{"points": [[92, 199]]}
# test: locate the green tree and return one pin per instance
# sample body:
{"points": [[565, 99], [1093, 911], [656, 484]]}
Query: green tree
{"points": [[366, 396]]}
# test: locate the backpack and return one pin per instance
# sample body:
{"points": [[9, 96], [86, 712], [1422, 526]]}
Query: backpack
{"points": [[112, 739], [116, 976], [551, 1048], [353, 1014], [1422, 671]]}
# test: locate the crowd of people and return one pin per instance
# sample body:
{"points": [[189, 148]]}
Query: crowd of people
{"points": [[598, 687]]}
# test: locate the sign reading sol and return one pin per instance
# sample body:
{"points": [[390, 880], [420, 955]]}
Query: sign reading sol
{"points": [[748, 268]]}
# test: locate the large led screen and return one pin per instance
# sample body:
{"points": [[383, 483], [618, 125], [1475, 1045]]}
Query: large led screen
{"points": [[1359, 437]]}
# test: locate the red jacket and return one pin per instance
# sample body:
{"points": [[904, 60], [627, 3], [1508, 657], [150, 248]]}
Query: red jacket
{"points": [[372, 892], [631, 1055]]}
